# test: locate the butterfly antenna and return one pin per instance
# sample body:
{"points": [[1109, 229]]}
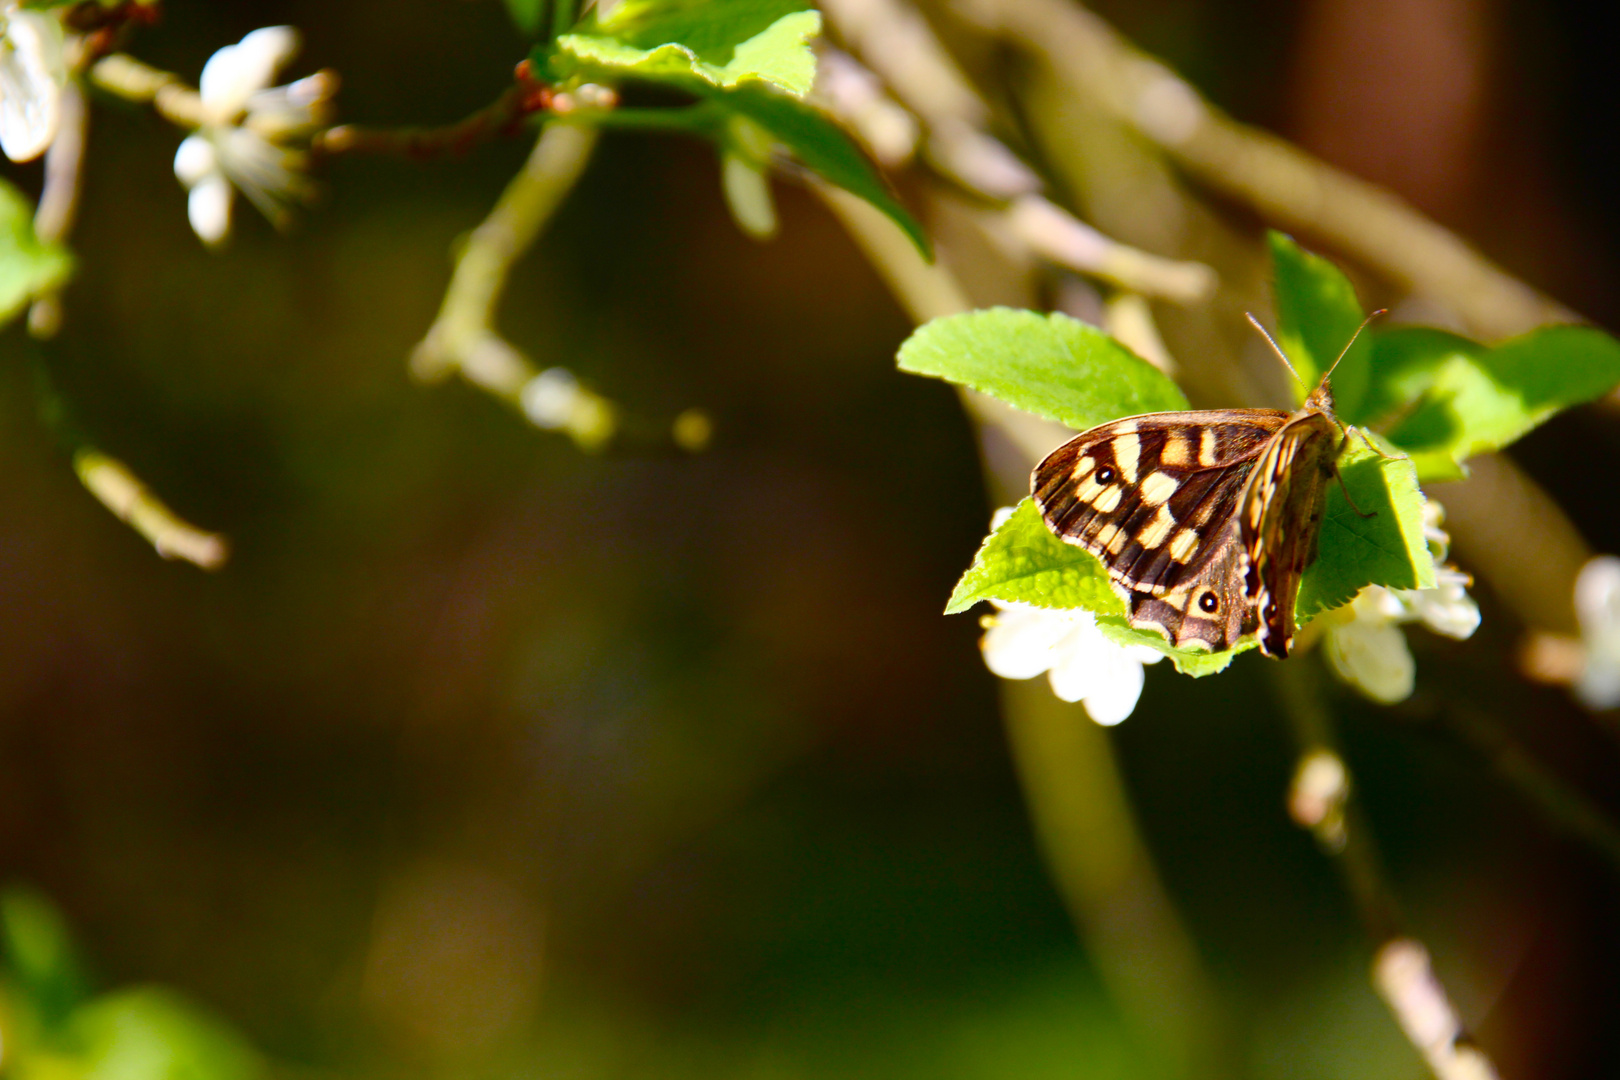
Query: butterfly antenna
{"points": [[1346, 350], [1254, 322]]}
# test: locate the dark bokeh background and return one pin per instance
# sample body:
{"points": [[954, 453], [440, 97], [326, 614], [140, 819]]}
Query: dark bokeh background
{"points": [[483, 756]]}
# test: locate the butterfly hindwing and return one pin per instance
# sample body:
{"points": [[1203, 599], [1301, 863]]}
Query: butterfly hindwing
{"points": [[1281, 517]]}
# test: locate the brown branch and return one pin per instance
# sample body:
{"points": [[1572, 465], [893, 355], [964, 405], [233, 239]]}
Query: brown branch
{"points": [[1286, 184]]}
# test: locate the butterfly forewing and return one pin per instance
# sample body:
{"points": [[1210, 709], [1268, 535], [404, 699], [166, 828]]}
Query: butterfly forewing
{"points": [[1147, 494]]}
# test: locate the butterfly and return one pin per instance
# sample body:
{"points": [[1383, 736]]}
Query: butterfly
{"points": [[1205, 521]]}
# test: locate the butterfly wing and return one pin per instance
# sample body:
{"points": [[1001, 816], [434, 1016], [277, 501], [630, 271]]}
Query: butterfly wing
{"points": [[1155, 498], [1281, 520]]}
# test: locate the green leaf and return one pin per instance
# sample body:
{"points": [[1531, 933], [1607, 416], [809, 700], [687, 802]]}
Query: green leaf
{"points": [[39, 953], [27, 266], [712, 29], [1404, 363], [779, 55], [1187, 661], [817, 141], [1385, 547], [149, 1033], [1049, 365], [1317, 314], [1023, 561], [1484, 399], [526, 14]]}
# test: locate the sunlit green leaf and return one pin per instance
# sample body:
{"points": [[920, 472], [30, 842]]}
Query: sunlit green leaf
{"points": [[1317, 314], [27, 266], [1187, 661], [1023, 561], [712, 29], [779, 55], [1476, 400], [1049, 365], [1381, 545]]}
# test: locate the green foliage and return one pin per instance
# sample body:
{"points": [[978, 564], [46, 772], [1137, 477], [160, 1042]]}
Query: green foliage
{"points": [[39, 954], [779, 55], [1317, 314], [526, 14], [27, 266], [1477, 399], [1049, 365], [149, 1033], [1381, 545], [1438, 397], [53, 1031], [1022, 561], [747, 59]]}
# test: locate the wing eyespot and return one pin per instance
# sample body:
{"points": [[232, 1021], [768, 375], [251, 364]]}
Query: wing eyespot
{"points": [[1209, 603], [1106, 474]]}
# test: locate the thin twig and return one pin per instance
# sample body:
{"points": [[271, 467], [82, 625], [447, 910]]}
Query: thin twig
{"points": [[133, 503], [1401, 972], [899, 44], [132, 80], [59, 199], [501, 118], [463, 339], [1286, 184]]}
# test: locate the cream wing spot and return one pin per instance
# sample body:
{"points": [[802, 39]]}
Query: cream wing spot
{"points": [[1112, 539], [1155, 532], [1127, 453], [1184, 545], [1177, 450], [1108, 501], [1158, 487], [1207, 441]]}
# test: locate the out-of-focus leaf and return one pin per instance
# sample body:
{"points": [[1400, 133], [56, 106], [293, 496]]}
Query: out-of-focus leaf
{"points": [[526, 14], [1049, 365], [39, 953], [27, 266], [150, 1033]]}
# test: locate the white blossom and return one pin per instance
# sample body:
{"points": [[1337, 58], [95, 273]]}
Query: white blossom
{"points": [[1363, 640], [32, 74], [1022, 641], [243, 143], [1597, 606]]}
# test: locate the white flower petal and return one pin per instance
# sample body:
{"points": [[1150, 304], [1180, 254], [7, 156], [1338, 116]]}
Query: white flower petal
{"points": [[1115, 697], [1372, 655], [1597, 607], [209, 208], [237, 72], [1083, 661], [1447, 610], [194, 160], [32, 73], [1021, 640]]}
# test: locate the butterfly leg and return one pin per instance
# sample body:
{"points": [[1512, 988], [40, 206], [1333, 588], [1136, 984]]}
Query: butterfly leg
{"points": [[1345, 491]]}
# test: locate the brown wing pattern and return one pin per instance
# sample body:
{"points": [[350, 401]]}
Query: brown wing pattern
{"points": [[1148, 494], [1209, 611]]}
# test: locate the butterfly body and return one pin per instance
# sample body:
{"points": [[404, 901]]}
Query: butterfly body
{"points": [[1204, 520]]}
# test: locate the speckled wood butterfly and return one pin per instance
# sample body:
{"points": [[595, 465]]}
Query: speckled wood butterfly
{"points": [[1204, 520]]}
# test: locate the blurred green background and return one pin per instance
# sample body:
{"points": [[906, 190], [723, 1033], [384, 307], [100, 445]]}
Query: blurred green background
{"points": [[484, 757]]}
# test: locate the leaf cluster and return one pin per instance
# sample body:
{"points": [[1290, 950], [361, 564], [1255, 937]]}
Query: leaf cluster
{"points": [[55, 1027], [744, 66], [1418, 403]]}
